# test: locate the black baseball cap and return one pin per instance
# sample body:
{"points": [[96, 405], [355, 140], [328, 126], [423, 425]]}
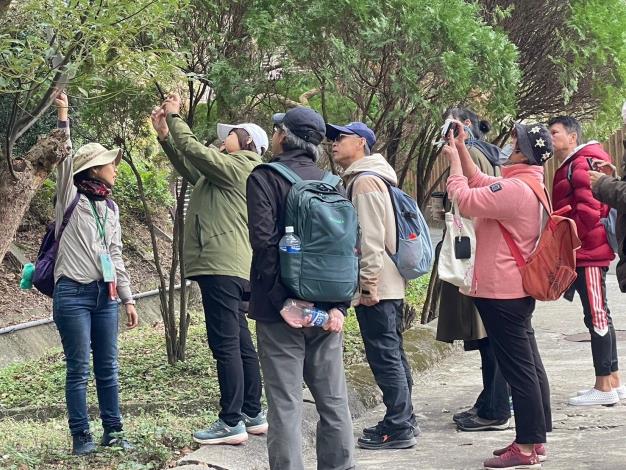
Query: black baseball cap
{"points": [[303, 122], [357, 128]]}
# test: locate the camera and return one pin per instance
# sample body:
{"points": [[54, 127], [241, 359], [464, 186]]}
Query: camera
{"points": [[449, 125]]}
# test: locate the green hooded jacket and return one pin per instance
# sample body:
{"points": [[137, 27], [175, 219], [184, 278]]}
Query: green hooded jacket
{"points": [[216, 225]]}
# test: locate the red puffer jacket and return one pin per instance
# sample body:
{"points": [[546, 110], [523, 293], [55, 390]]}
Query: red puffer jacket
{"points": [[586, 210]]}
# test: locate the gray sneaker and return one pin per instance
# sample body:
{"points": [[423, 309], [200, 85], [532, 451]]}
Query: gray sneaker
{"points": [[220, 433], [256, 425]]}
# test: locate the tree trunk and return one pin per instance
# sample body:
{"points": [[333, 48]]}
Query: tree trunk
{"points": [[4, 7], [31, 171]]}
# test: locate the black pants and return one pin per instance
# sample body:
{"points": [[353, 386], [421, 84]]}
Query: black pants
{"points": [[493, 401], [230, 342], [380, 329], [591, 286], [508, 325]]}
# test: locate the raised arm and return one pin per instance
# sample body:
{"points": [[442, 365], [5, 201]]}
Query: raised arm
{"points": [[66, 191], [176, 158]]}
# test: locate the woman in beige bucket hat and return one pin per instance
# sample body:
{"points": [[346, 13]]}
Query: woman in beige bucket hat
{"points": [[89, 277]]}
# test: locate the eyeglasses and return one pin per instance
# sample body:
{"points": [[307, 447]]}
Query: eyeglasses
{"points": [[340, 137]]}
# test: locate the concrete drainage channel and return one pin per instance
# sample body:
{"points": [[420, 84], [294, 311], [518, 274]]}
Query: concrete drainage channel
{"points": [[32, 339]]}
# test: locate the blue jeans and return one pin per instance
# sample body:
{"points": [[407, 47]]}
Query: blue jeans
{"points": [[87, 321]]}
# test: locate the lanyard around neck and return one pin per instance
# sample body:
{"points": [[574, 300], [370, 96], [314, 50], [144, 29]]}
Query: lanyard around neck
{"points": [[100, 224]]}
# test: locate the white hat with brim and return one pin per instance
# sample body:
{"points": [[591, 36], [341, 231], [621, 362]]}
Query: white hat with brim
{"points": [[94, 154], [258, 135]]}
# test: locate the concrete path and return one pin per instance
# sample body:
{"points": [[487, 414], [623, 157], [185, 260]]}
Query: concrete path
{"points": [[583, 437]]}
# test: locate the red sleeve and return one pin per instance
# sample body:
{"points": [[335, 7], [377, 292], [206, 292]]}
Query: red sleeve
{"points": [[586, 209]]}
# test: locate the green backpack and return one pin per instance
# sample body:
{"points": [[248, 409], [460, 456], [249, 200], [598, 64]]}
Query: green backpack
{"points": [[327, 267]]}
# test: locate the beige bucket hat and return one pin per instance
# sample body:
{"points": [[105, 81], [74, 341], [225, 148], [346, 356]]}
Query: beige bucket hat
{"points": [[95, 154]]}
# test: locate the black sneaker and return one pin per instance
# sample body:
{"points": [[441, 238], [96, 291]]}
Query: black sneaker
{"points": [[456, 417], [393, 440], [115, 438], [377, 429], [82, 443], [476, 423]]}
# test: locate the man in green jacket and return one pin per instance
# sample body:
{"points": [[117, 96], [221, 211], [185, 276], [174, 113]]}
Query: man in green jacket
{"points": [[217, 255]]}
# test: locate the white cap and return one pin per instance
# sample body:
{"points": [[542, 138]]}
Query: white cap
{"points": [[259, 137], [288, 229]]}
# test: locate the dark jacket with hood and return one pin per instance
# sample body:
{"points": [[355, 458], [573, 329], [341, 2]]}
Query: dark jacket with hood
{"points": [[266, 197]]}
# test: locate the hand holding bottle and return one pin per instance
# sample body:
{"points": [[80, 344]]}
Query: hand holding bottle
{"points": [[293, 313]]}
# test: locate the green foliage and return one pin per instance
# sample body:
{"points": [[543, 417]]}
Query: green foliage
{"points": [[72, 40], [145, 376], [397, 66], [599, 25], [416, 292], [156, 188], [157, 437]]}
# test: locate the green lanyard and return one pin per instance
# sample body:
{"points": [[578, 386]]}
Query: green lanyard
{"points": [[100, 225]]}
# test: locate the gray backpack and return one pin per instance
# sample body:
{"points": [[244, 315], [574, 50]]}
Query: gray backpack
{"points": [[327, 267]]}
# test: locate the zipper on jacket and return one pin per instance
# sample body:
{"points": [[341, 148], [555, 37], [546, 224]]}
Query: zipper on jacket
{"points": [[199, 231]]}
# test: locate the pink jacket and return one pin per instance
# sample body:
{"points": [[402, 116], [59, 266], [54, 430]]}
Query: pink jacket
{"points": [[508, 200]]}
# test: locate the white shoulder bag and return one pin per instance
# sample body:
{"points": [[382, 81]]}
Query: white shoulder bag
{"points": [[456, 259]]}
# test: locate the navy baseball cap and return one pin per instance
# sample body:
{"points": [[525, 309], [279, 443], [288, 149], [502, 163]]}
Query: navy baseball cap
{"points": [[303, 122], [357, 128]]}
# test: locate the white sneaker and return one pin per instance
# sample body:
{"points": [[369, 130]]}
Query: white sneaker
{"points": [[621, 392], [595, 397]]}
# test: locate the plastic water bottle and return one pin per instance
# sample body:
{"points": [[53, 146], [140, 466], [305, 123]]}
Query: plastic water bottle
{"points": [[318, 317], [290, 243], [295, 311], [26, 282]]}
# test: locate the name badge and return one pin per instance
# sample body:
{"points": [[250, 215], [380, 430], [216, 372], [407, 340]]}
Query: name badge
{"points": [[108, 269]]}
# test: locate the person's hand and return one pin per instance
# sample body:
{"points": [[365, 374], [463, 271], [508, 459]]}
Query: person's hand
{"points": [[461, 135], [172, 104], [594, 176], [159, 123], [368, 300], [292, 313], [606, 168], [133, 318], [62, 104], [335, 321], [449, 149]]}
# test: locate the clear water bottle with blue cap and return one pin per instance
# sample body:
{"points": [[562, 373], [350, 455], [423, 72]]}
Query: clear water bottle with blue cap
{"points": [[290, 243], [304, 313]]}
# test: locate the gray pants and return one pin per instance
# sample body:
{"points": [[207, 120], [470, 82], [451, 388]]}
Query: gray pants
{"points": [[288, 356]]}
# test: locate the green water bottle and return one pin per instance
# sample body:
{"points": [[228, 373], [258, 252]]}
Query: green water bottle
{"points": [[27, 276]]}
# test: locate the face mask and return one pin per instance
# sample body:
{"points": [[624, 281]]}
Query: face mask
{"points": [[468, 132], [507, 151]]}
